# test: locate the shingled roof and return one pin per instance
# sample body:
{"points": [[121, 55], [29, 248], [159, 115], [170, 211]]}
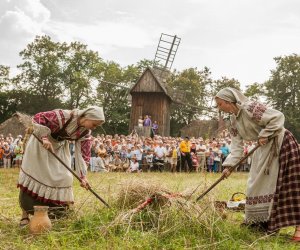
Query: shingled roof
{"points": [[15, 125]]}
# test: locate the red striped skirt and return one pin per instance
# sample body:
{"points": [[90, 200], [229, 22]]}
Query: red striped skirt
{"points": [[286, 206]]}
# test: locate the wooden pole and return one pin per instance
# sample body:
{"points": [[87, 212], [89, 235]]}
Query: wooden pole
{"points": [[230, 169]]}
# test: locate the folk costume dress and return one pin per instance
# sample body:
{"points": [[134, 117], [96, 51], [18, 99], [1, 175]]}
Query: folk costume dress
{"points": [[42, 176], [273, 188]]}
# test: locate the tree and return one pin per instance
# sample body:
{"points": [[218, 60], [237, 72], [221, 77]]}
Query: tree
{"points": [[193, 83], [41, 73], [7, 106], [4, 76], [112, 94], [224, 82], [283, 90], [81, 68], [255, 91]]}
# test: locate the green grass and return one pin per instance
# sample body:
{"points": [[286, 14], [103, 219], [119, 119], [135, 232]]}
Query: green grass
{"points": [[90, 226]]}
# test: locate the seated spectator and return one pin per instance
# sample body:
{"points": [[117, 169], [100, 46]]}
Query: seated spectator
{"points": [[102, 153], [99, 165], [134, 165], [116, 164]]}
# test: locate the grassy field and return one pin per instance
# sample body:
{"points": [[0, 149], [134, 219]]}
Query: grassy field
{"points": [[92, 226]]}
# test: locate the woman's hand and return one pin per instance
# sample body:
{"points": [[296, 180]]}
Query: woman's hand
{"points": [[47, 144], [226, 172], [263, 141], [84, 183]]}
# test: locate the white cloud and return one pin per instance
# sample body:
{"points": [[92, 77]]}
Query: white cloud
{"points": [[20, 22], [110, 34], [234, 38]]}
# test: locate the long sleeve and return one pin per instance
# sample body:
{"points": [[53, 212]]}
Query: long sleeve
{"points": [[269, 119], [82, 154], [48, 119]]}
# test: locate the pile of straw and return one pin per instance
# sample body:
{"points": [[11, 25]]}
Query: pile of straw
{"points": [[150, 206]]}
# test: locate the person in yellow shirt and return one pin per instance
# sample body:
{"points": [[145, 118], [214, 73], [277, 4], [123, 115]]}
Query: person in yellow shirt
{"points": [[173, 159], [185, 153]]}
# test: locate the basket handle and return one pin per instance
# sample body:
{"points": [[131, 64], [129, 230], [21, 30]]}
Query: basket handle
{"points": [[232, 197]]}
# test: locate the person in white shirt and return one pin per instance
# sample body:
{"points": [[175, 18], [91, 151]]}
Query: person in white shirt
{"points": [[200, 150], [134, 165], [160, 153]]}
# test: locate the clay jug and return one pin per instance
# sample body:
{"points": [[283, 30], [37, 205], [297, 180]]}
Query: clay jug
{"points": [[40, 221]]}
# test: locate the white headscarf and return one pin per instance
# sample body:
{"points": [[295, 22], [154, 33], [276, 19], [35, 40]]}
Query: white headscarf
{"points": [[232, 95], [92, 113]]}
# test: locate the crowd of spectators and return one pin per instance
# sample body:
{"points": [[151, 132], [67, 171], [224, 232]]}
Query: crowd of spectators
{"points": [[11, 151], [135, 154]]}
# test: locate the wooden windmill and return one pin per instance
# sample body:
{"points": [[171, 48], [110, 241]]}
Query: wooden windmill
{"points": [[150, 94]]}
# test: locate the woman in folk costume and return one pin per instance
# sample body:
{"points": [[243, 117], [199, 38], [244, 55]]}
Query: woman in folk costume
{"points": [[273, 189], [43, 180]]}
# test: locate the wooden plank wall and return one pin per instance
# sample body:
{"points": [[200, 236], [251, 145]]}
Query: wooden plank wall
{"points": [[157, 105], [147, 83]]}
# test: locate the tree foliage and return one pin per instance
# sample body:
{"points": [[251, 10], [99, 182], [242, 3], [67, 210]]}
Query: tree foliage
{"points": [[255, 91], [41, 72], [283, 90], [81, 68], [192, 82], [69, 75]]}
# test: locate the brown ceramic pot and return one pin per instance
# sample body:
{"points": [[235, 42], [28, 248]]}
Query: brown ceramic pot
{"points": [[40, 221]]}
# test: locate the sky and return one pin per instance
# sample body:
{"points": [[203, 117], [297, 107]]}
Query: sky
{"points": [[234, 38]]}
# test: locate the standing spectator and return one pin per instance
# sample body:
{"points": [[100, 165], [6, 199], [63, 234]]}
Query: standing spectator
{"points": [[193, 147], [160, 153], [210, 160], [138, 152], [168, 159], [149, 159], [140, 121], [200, 149], [6, 156], [18, 153], [195, 162], [1, 154], [217, 160], [185, 151], [147, 121], [174, 159], [155, 128], [225, 151], [94, 154]]}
